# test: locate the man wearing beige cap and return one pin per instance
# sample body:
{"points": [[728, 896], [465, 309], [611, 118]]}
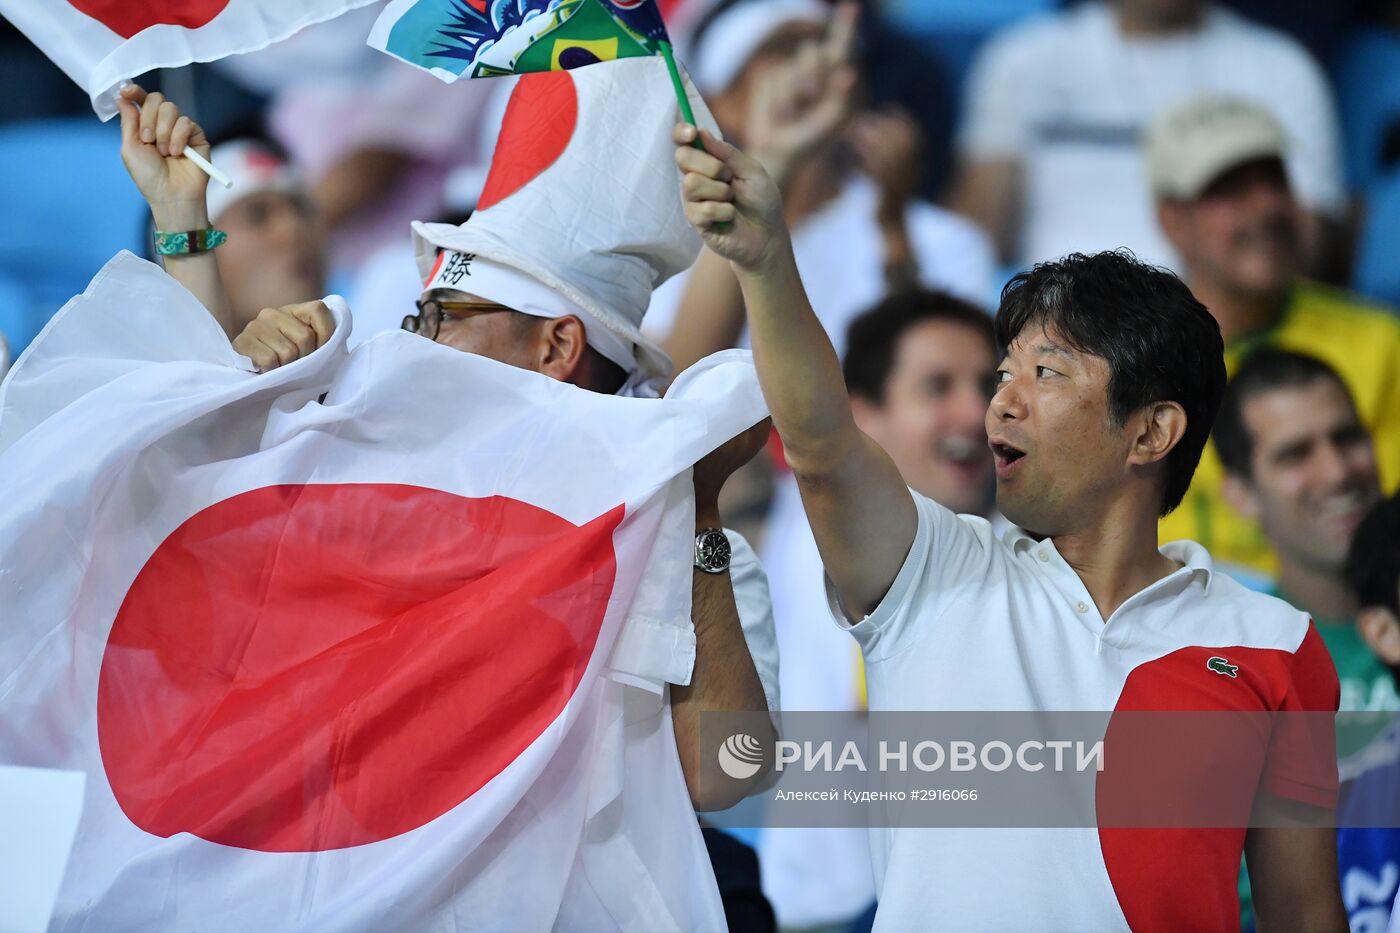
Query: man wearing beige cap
{"points": [[1224, 200]]}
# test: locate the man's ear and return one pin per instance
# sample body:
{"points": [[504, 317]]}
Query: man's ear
{"points": [[1239, 494], [1380, 629], [1174, 217], [1160, 427], [559, 347]]}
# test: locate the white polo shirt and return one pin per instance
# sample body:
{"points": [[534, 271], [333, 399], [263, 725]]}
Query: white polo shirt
{"points": [[976, 623]]}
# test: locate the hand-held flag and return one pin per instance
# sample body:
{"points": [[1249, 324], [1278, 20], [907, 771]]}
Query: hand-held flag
{"points": [[101, 44], [488, 38], [332, 660]]}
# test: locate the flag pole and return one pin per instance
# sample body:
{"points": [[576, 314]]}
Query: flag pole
{"points": [[687, 114]]}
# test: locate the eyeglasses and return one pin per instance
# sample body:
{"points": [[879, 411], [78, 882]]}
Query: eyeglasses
{"points": [[428, 321]]}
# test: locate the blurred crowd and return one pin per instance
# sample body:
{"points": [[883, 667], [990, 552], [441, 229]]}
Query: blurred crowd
{"points": [[1252, 148]]}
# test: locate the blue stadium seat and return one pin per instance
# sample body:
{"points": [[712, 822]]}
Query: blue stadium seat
{"points": [[1377, 272], [66, 207], [1367, 78]]}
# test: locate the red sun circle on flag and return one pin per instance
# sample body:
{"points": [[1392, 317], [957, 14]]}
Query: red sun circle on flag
{"points": [[305, 668], [128, 17], [539, 122]]}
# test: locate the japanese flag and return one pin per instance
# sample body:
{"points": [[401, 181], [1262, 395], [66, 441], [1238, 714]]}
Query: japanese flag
{"points": [[347, 646], [103, 43]]}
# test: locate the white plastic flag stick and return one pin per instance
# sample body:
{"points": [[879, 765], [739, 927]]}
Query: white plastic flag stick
{"points": [[208, 167]]}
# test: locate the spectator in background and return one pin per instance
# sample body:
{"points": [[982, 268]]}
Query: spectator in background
{"points": [[1368, 812], [849, 180], [376, 139], [1299, 462], [919, 368], [1225, 202], [1373, 570], [1049, 146], [275, 254]]}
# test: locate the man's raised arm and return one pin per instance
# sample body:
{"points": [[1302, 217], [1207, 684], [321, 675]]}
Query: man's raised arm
{"points": [[860, 510]]}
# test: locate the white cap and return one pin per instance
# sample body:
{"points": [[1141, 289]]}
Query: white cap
{"points": [[582, 201], [1191, 144], [519, 292], [732, 37], [254, 168]]}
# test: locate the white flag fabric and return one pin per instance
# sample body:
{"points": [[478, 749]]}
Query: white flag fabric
{"points": [[582, 198], [103, 43], [376, 640]]}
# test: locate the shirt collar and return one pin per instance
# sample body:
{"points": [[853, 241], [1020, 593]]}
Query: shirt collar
{"points": [[1194, 558], [1017, 538]]}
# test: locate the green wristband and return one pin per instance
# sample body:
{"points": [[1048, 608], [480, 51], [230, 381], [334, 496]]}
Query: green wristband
{"points": [[188, 242]]}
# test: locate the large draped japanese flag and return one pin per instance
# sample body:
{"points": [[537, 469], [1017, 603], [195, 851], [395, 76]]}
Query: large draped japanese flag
{"points": [[375, 641], [103, 43]]}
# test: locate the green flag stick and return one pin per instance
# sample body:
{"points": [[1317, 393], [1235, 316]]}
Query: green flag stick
{"points": [[687, 114], [682, 97]]}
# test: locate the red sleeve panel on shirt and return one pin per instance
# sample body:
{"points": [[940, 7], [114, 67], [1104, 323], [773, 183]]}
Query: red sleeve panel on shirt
{"points": [[1302, 761], [1194, 736]]}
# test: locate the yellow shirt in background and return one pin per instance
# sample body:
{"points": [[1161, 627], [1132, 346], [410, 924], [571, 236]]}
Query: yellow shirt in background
{"points": [[1359, 341]]}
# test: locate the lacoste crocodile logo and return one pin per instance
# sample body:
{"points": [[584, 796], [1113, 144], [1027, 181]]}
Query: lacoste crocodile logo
{"points": [[1222, 666]]}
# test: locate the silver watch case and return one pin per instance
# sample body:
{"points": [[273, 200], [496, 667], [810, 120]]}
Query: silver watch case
{"points": [[712, 551]]}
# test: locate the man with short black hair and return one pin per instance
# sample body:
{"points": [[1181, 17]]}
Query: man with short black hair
{"points": [[919, 367], [1299, 462], [1111, 378]]}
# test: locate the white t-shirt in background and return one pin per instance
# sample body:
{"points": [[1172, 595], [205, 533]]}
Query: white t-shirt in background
{"points": [[841, 258], [1067, 96]]}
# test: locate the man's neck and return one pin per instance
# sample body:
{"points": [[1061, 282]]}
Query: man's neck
{"points": [[1137, 23], [1318, 592], [1116, 557], [1238, 313]]}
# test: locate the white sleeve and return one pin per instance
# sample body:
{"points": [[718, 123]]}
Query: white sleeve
{"points": [[947, 549], [755, 614], [1304, 105], [953, 254], [995, 122]]}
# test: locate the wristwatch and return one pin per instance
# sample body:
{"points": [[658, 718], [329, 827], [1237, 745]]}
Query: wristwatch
{"points": [[712, 551]]}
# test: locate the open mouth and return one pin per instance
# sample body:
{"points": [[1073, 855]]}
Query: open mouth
{"points": [[1006, 456]]}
